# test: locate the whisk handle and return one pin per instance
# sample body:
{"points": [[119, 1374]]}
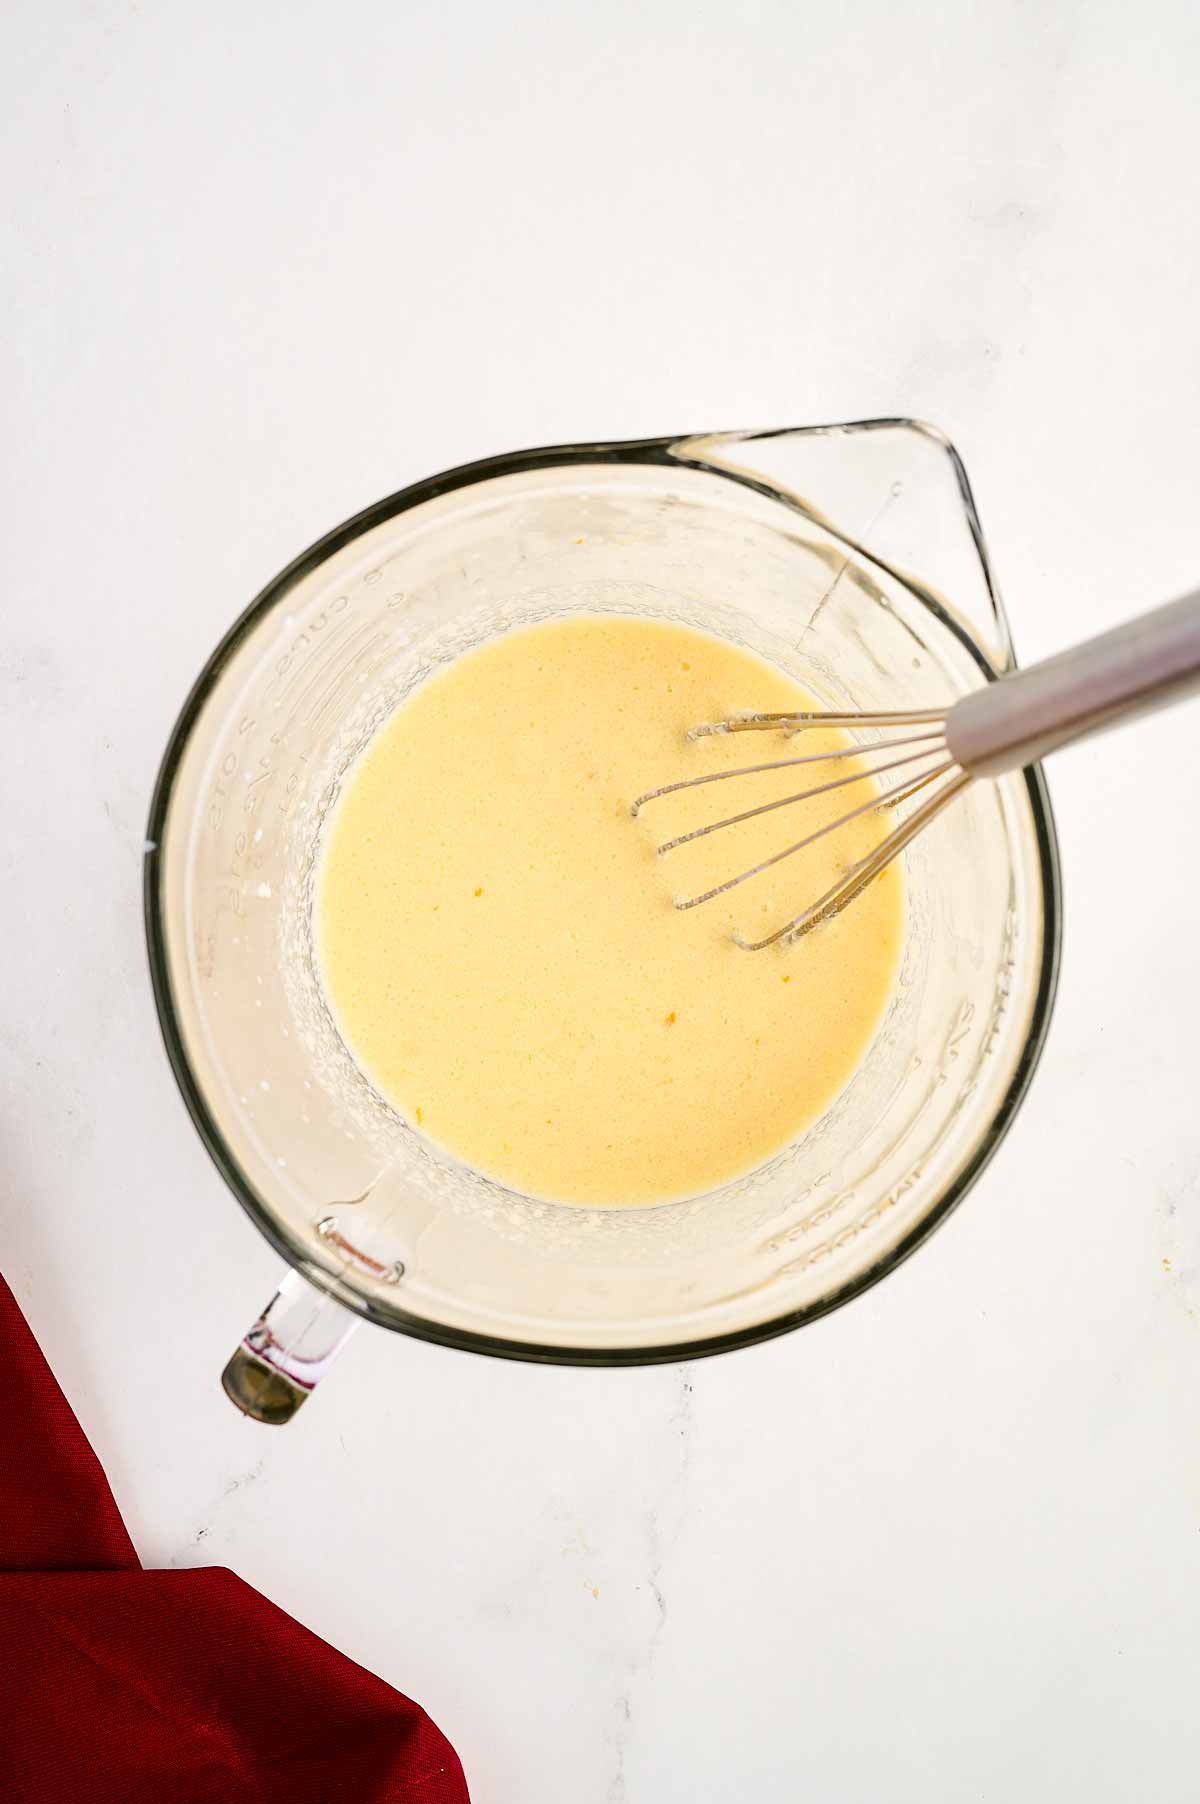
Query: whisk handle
{"points": [[1129, 671]]}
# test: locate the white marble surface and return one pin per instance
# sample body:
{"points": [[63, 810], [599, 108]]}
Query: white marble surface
{"points": [[274, 261]]}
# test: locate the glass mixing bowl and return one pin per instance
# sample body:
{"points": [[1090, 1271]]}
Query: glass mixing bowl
{"points": [[849, 556]]}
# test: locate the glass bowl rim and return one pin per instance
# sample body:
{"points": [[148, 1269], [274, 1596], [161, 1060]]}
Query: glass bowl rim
{"points": [[655, 451]]}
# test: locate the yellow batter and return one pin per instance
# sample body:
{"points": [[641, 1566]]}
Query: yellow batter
{"points": [[497, 938]]}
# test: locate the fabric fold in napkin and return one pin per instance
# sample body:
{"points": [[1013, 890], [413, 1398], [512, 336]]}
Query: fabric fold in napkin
{"points": [[124, 1686]]}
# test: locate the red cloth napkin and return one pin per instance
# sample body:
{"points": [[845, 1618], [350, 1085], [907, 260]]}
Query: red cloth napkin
{"points": [[128, 1687]]}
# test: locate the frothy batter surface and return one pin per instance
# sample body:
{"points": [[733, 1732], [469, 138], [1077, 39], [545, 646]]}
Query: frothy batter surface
{"points": [[497, 939]]}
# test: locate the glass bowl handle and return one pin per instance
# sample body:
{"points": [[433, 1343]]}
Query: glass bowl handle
{"points": [[287, 1352]]}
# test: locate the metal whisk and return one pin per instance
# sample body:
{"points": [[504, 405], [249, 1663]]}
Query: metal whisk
{"points": [[1004, 726]]}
